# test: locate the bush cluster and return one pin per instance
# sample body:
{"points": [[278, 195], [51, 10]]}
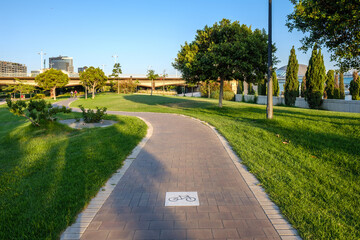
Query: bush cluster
{"points": [[90, 116], [214, 87], [36, 111], [125, 86], [228, 95]]}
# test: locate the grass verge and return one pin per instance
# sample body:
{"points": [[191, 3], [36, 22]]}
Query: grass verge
{"points": [[308, 161], [49, 174]]}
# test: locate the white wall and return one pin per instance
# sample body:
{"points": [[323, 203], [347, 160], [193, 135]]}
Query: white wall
{"points": [[337, 105]]}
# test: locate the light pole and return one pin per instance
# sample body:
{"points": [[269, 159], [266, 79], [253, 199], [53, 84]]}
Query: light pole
{"points": [[269, 108], [115, 58], [41, 53]]}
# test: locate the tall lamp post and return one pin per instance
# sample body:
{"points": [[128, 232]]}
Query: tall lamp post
{"points": [[269, 108]]}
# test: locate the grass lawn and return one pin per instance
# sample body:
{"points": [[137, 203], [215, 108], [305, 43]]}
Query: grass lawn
{"points": [[49, 174], [307, 160]]}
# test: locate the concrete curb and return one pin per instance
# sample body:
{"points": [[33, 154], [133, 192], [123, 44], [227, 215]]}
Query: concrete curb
{"points": [[281, 225], [83, 220]]}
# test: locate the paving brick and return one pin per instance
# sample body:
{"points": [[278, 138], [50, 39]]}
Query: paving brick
{"points": [[174, 160]]}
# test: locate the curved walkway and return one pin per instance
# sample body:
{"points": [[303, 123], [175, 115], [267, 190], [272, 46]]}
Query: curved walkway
{"points": [[182, 155]]}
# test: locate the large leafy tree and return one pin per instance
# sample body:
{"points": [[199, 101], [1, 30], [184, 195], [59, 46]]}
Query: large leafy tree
{"points": [[152, 76], [315, 79], [224, 51], [334, 24], [116, 73], [93, 78], [292, 82], [52, 79]]}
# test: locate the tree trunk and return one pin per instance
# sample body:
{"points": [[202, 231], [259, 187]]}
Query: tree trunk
{"points": [[221, 92], [54, 92], [152, 85], [86, 91], [93, 93]]}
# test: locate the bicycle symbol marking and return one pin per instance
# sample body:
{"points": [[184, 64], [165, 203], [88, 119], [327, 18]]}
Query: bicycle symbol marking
{"points": [[182, 197]]}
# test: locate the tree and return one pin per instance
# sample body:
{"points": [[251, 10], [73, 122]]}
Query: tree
{"points": [[262, 87], [341, 86], [303, 87], [330, 84], [225, 51], [93, 78], [291, 81], [52, 79], [276, 89], [116, 73], [315, 79], [355, 86], [334, 24], [337, 88], [251, 90], [152, 76], [240, 87]]}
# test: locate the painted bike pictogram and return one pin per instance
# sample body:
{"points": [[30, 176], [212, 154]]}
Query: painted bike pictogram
{"points": [[182, 197]]}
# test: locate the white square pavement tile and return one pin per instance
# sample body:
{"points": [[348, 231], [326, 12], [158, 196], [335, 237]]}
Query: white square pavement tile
{"points": [[181, 199]]}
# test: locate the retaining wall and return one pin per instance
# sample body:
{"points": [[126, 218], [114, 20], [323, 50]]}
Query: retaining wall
{"points": [[337, 105]]}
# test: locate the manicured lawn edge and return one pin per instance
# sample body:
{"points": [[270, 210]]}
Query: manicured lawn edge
{"points": [[83, 220]]}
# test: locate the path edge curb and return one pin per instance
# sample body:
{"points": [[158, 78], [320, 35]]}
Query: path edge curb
{"points": [[281, 225], [83, 219]]}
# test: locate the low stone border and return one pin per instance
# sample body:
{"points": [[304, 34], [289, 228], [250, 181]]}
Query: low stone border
{"points": [[281, 225], [83, 220]]}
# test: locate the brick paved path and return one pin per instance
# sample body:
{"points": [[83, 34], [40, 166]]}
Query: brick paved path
{"points": [[182, 155]]}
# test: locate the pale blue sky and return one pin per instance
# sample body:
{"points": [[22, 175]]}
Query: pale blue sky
{"points": [[140, 32]]}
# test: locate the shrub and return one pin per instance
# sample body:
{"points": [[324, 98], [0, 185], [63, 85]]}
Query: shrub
{"points": [[214, 86], [330, 84], [228, 95], [90, 116], [38, 96], [35, 111], [355, 87]]}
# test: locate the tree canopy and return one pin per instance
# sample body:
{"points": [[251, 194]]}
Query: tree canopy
{"points": [[334, 24], [93, 78], [152, 76], [52, 79], [225, 51]]}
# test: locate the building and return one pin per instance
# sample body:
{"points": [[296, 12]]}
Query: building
{"points": [[82, 69], [10, 69], [62, 63]]}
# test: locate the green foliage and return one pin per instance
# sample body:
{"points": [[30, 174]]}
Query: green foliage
{"points": [[337, 88], [262, 88], [93, 78], [90, 116], [38, 96], [35, 111], [276, 88], [125, 86], [213, 86], [152, 76], [225, 51], [341, 86], [330, 84], [355, 87], [240, 87], [334, 24], [291, 82], [116, 70], [228, 95], [49, 174], [52, 79], [315, 79], [251, 90]]}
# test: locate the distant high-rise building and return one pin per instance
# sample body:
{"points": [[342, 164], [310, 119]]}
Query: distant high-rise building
{"points": [[82, 69], [62, 63], [10, 69]]}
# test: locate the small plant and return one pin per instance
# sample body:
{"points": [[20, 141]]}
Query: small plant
{"points": [[35, 111], [38, 96], [90, 116]]}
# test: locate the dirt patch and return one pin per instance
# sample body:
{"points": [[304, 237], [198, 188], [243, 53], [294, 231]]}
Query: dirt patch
{"points": [[81, 124]]}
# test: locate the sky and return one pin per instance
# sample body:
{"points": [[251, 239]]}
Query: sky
{"points": [[142, 33]]}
